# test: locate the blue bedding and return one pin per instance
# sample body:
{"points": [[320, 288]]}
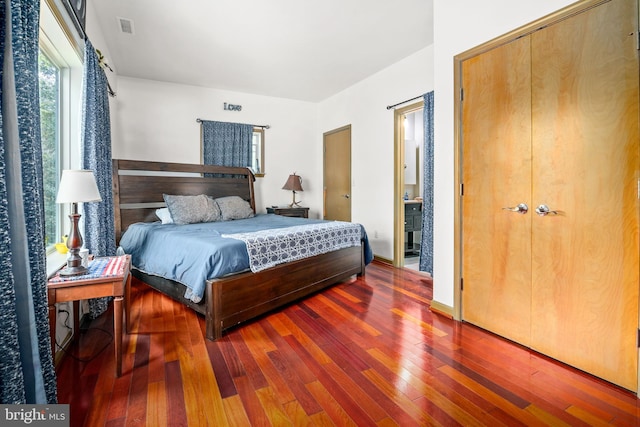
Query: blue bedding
{"points": [[192, 253]]}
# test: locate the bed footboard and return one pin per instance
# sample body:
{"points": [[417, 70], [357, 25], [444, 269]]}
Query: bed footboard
{"points": [[241, 297]]}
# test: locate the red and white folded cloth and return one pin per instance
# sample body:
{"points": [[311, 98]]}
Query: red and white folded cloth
{"points": [[98, 267]]}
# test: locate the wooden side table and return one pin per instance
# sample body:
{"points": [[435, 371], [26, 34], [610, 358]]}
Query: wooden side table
{"points": [[287, 211], [112, 281]]}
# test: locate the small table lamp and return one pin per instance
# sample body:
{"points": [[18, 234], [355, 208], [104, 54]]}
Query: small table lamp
{"points": [[76, 186], [294, 183]]}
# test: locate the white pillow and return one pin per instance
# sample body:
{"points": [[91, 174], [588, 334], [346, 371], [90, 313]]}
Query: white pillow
{"points": [[234, 207], [164, 215]]}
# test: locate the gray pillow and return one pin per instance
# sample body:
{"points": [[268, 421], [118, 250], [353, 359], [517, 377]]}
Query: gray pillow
{"points": [[192, 209], [234, 207]]}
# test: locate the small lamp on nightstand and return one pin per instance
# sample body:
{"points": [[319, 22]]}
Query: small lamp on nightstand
{"points": [[76, 186], [294, 183]]}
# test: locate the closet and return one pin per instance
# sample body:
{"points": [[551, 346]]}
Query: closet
{"points": [[549, 184]]}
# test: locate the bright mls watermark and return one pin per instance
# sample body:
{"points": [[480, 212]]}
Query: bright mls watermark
{"points": [[34, 415]]}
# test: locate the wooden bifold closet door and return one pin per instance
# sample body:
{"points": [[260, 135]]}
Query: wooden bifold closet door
{"points": [[550, 120]]}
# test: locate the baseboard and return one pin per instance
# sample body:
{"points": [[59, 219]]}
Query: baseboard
{"points": [[441, 309], [382, 260]]}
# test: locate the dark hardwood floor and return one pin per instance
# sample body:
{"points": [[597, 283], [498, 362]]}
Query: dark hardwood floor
{"points": [[368, 352]]}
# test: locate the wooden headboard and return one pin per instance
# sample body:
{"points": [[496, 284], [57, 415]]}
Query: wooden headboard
{"points": [[138, 187]]}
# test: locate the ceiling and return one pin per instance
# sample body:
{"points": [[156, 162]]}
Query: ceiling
{"points": [[297, 49]]}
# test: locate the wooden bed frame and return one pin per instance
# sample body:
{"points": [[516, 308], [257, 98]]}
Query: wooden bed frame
{"points": [[138, 187]]}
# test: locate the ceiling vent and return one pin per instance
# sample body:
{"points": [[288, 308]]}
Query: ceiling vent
{"points": [[126, 25]]}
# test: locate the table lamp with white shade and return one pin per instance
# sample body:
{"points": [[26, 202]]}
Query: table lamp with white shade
{"points": [[76, 186]]}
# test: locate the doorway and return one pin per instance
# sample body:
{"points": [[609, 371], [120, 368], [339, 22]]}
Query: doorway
{"points": [[409, 154]]}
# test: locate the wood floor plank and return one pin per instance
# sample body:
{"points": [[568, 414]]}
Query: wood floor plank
{"points": [[137, 405], [251, 403], [365, 352], [191, 389], [272, 407], [427, 373], [119, 401], [209, 394], [512, 409], [429, 396], [297, 414], [587, 417], [156, 354], [331, 407], [309, 343], [251, 368], [99, 406], [234, 410], [401, 400], [279, 384], [176, 408], [333, 378], [367, 387], [295, 382], [360, 397], [224, 361], [550, 419], [157, 405], [574, 397], [610, 399], [340, 316]]}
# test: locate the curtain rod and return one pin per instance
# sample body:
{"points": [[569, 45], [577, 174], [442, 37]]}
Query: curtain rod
{"points": [[199, 120], [403, 102]]}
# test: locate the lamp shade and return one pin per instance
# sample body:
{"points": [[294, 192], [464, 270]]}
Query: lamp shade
{"points": [[78, 186], [294, 183]]}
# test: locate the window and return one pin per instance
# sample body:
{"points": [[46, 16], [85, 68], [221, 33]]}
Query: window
{"points": [[257, 151], [49, 76], [60, 79]]}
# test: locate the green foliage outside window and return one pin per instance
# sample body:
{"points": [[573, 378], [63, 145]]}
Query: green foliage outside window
{"points": [[49, 89]]}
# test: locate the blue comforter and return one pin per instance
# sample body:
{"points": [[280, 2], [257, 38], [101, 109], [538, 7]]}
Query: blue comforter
{"points": [[192, 253]]}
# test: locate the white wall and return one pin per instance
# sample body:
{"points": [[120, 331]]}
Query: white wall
{"points": [[157, 122], [96, 36], [363, 106], [460, 25]]}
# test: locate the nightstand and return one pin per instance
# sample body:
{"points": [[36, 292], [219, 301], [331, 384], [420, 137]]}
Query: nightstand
{"points": [[107, 277], [287, 211]]}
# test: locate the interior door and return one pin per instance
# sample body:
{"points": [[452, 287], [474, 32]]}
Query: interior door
{"points": [[562, 138], [496, 166], [337, 174], [585, 167]]}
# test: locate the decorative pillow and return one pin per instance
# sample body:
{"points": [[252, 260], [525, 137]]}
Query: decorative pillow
{"points": [[192, 209], [164, 215], [234, 207]]}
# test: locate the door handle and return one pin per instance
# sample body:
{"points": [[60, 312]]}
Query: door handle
{"points": [[346, 196], [543, 210], [522, 208]]}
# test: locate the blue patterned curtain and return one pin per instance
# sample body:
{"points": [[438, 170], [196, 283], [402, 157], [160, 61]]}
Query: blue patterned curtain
{"points": [[426, 246], [99, 230], [226, 144], [27, 374]]}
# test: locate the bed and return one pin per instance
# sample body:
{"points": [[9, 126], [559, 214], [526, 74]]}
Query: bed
{"points": [[233, 298]]}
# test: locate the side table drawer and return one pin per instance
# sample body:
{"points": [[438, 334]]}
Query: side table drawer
{"points": [[292, 212]]}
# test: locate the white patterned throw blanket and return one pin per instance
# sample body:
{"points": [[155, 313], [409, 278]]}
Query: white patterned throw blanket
{"points": [[268, 248]]}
